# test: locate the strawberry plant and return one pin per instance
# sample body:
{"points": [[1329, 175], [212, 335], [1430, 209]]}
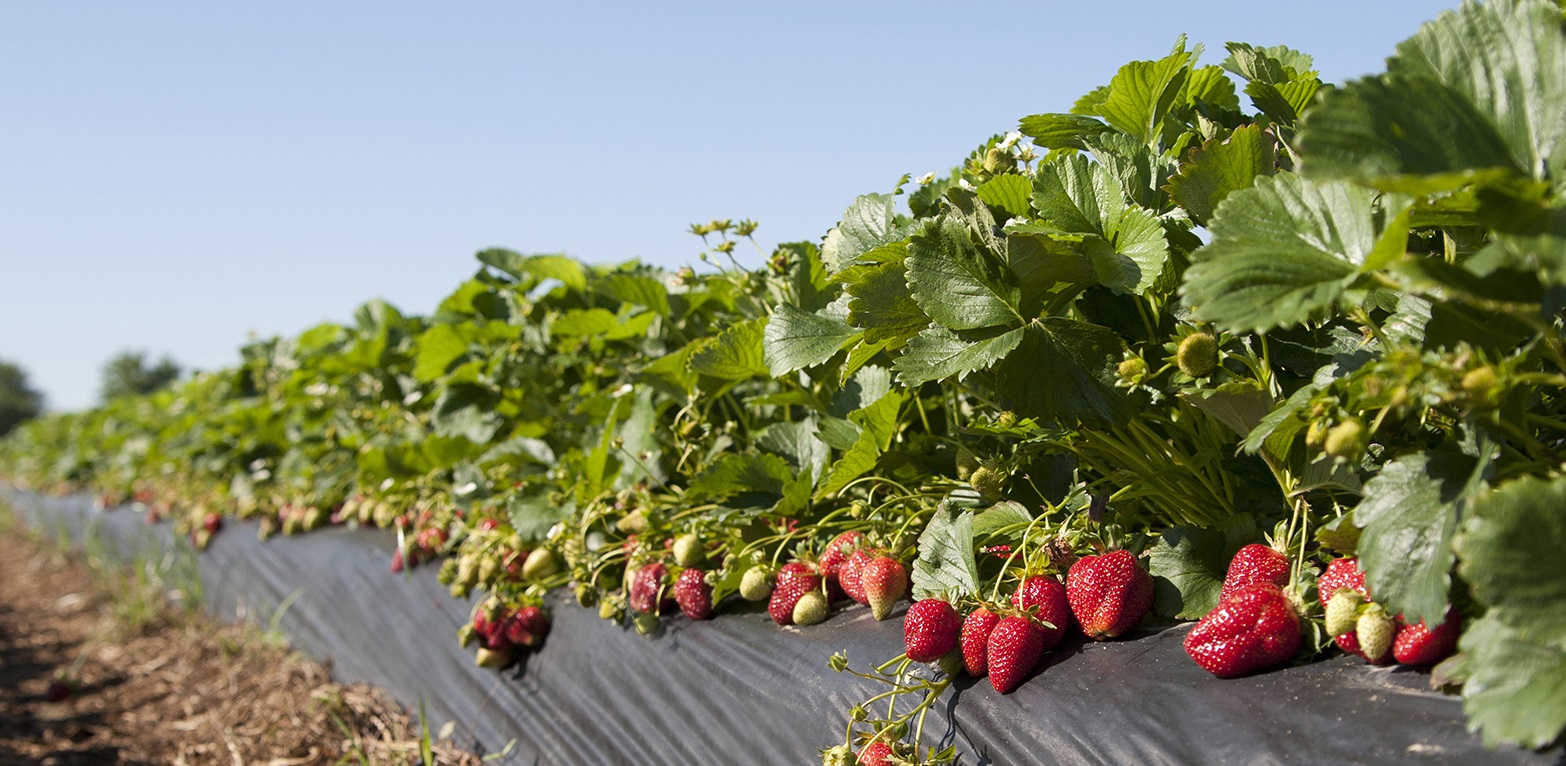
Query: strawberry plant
{"points": [[1290, 365]]}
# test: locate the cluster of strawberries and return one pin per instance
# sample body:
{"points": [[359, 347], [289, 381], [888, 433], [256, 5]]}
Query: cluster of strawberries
{"points": [[502, 632], [1363, 627], [1105, 596], [1255, 626], [802, 594]]}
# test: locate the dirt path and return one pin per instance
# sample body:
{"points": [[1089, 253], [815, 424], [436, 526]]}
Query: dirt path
{"points": [[177, 689]]}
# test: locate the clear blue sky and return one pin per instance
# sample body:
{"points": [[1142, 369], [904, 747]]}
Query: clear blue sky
{"points": [[177, 175]]}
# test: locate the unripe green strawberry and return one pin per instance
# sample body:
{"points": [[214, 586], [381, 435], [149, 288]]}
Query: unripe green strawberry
{"points": [[492, 658], [811, 608], [756, 585], [837, 756], [1375, 631], [586, 595], [1482, 386], [1343, 612], [1131, 370], [997, 160], [459, 590], [540, 563], [688, 550], [1346, 440], [488, 570], [633, 523], [1316, 433], [646, 624], [988, 481], [448, 572], [1197, 355], [608, 609], [967, 462], [466, 635], [314, 518]]}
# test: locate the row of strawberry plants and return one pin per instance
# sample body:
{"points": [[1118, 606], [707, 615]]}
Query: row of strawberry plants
{"points": [[1293, 372]]}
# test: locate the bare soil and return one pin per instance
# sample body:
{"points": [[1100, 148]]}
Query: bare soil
{"points": [[178, 690]]}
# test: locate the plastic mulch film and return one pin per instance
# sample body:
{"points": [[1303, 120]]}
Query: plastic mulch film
{"points": [[740, 690]]}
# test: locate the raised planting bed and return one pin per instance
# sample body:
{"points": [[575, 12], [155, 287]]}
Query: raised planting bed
{"points": [[742, 690]]}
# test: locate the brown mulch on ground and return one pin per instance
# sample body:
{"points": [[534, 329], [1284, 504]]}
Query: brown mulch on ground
{"points": [[177, 690]]}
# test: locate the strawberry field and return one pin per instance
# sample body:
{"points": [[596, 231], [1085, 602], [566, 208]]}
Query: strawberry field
{"points": [[1226, 384]]}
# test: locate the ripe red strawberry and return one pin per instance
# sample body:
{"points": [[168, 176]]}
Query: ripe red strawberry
{"points": [[491, 633], [1349, 643], [837, 552], [1109, 594], [1419, 645], [1253, 564], [794, 580], [1255, 628], [527, 627], [1014, 649], [931, 630], [1044, 598], [212, 523], [848, 576], [793, 569], [693, 594], [876, 754], [976, 639], [885, 580], [645, 587], [396, 561], [1341, 574]]}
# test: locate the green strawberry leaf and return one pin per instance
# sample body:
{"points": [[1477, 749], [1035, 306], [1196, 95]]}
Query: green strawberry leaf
{"points": [[1004, 514], [1285, 250], [1188, 566], [439, 347], [1081, 360], [533, 515], [635, 289], [1402, 134], [1008, 192], [946, 564], [1515, 535], [796, 339], [1221, 166], [734, 354], [881, 304], [1124, 243], [1407, 517], [1062, 131], [869, 223], [736, 474], [1516, 686], [467, 411], [955, 282], [938, 354]]}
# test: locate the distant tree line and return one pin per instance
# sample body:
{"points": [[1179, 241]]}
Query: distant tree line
{"points": [[127, 374]]}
